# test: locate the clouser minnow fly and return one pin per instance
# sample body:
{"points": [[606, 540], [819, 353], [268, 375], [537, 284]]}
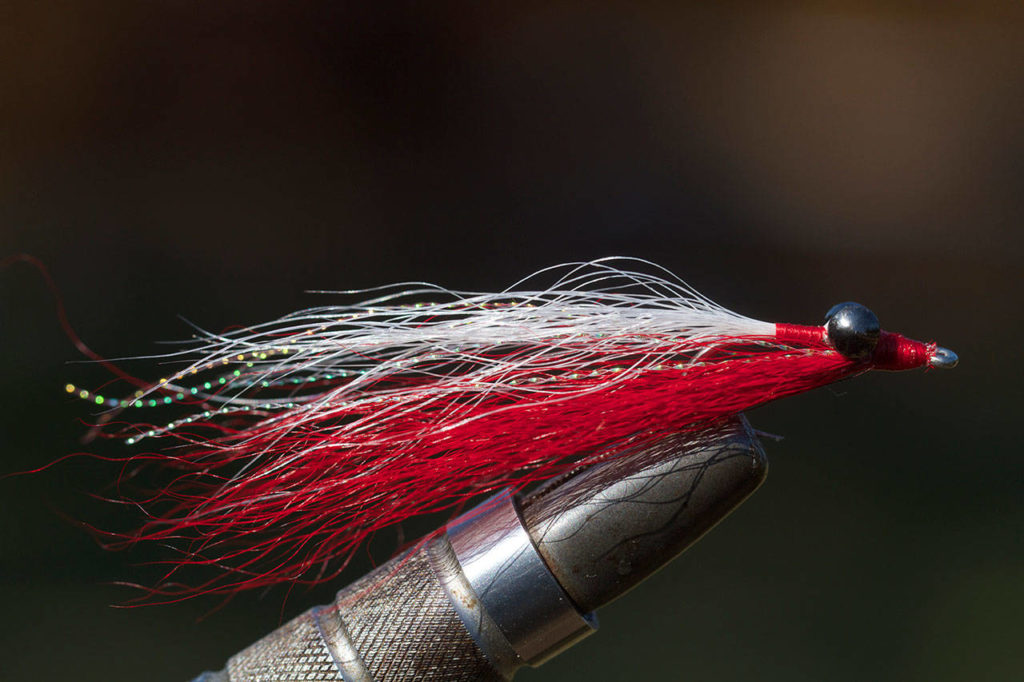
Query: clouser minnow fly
{"points": [[308, 434]]}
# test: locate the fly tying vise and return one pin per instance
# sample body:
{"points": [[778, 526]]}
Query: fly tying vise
{"points": [[305, 436]]}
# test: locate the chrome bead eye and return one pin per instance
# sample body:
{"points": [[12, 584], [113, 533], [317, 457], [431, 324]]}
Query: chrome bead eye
{"points": [[852, 329]]}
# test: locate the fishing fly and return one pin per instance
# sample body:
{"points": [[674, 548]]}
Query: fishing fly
{"points": [[294, 441]]}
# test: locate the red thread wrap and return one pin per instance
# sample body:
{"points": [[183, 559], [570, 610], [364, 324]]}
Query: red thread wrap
{"points": [[894, 352]]}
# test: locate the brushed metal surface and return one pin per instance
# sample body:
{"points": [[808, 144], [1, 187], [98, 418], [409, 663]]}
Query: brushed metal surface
{"points": [[607, 528], [512, 582], [434, 613]]}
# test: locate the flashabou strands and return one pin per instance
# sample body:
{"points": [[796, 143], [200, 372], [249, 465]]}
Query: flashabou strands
{"points": [[307, 435]]}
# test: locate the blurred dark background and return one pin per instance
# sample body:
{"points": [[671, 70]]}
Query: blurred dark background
{"points": [[215, 160]]}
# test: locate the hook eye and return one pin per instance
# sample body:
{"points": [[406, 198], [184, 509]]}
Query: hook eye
{"points": [[943, 358]]}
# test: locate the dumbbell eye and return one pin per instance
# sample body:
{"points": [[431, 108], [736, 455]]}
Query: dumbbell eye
{"points": [[852, 329]]}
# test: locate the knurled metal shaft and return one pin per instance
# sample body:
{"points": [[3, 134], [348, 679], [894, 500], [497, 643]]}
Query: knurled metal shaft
{"points": [[513, 582]]}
